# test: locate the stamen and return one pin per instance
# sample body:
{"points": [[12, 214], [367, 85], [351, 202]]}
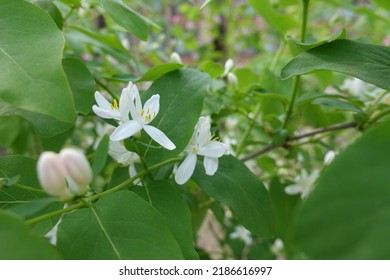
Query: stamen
{"points": [[114, 105]]}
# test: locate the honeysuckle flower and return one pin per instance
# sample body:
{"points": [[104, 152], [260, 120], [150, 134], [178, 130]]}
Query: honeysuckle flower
{"points": [[303, 184], [107, 110], [141, 117], [242, 234], [231, 77], [201, 144], [65, 174], [124, 157]]}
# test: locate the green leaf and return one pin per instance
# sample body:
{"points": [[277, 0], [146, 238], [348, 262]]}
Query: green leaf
{"points": [[18, 242], [236, 186], [181, 101], [213, 69], [168, 201], [127, 18], [9, 130], [347, 214], [25, 169], [100, 158], [296, 47], [382, 3], [159, 70], [33, 84], [119, 226], [336, 104], [280, 22], [81, 82], [367, 62]]}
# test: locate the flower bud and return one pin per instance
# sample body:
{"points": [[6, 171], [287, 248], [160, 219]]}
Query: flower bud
{"points": [[175, 57], [51, 175], [232, 79], [77, 168], [229, 64]]}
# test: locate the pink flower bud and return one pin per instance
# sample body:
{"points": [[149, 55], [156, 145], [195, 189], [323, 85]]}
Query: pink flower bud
{"points": [[77, 168], [51, 175]]}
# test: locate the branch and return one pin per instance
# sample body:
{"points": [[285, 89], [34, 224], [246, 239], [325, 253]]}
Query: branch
{"points": [[272, 146]]}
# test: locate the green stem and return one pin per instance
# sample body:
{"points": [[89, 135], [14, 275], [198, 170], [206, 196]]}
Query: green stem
{"points": [[297, 78], [378, 116], [102, 194], [27, 188], [248, 130]]}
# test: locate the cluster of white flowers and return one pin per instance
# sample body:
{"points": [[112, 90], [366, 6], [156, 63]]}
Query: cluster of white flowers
{"points": [[130, 102], [65, 174], [201, 144]]}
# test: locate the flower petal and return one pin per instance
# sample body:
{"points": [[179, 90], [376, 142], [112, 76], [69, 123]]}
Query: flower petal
{"points": [[293, 189], [159, 136], [202, 132], [213, 149], [106, 114], [101, 101], [132, 173], [151, 107], [228, 66], [125, 130], [211, 165], [135, 104], [124, 104], [186, 169], [118, 151]]}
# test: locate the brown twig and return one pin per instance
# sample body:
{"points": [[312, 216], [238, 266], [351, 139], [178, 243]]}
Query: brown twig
{"points": [[272, 146]]}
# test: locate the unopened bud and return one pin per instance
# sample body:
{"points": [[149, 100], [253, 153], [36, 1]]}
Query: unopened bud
{"points": [[228, 66], [51, 175], [77, 168], [232, 79], [175, 57]]}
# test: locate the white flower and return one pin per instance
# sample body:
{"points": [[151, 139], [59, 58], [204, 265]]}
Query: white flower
{"points": [[124, 157], [242, 234], [355, 86], [231, 77], [201, 144], [106, 110], [277, 248], [303, 184], [65, 174], [175, 57], [141, 118]]}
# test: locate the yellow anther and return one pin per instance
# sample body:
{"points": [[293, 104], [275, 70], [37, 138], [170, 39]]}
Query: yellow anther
{"points": [[114, 105], [142, 112]]}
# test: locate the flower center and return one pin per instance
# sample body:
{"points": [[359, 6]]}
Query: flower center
{"points": [[148, 116], [114, 105]]}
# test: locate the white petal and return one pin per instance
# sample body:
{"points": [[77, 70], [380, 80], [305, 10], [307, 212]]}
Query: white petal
{"points": [[135, 97], [132, 173], [293, 189], [211, 165], [125, 130], [203, 134], [118, 151], [159, 136], [124, 104], [106, 114], [101, 101], [151, 107], [213, 149], [186, 169]]}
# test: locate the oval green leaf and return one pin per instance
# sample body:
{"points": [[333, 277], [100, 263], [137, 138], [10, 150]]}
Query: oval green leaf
{"points": [[119, 226], [33, 84], [169, 202], [127, 18], [159, 70], [347, 215], [18, 242], [367, 62], [236, 186]]}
